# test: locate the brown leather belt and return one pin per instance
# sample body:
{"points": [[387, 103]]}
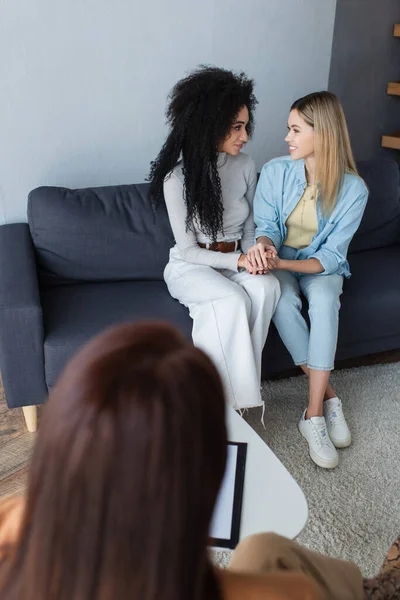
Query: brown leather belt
{"points": [[221, 246]]}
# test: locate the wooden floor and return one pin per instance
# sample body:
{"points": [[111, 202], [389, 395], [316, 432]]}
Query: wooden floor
{"points": [[16, 445]]}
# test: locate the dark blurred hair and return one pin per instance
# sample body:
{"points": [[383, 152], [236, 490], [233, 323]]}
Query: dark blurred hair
{"points": [[128, 462], [202, 109]]}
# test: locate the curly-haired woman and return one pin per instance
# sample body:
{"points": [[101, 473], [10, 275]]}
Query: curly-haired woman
{"points": [[208, 185]]}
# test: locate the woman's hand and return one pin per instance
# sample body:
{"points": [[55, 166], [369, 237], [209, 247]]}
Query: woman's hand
{"points": [[262, 256], [244, 263], [275, 263]]}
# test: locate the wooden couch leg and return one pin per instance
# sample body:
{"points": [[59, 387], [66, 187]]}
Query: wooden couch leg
{"points": [[30, 414]]}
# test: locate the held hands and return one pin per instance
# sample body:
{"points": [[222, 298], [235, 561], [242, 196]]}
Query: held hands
{"points": [[244, 263], [261, 259]]}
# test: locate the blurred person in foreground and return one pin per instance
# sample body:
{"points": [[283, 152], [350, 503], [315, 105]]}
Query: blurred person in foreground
{"points": [[127, 466]]}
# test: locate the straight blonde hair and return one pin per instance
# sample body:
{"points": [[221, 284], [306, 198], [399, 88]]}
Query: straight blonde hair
{"points": [[333, 154]]}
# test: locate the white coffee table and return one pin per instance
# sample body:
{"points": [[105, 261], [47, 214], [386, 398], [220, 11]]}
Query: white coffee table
{"points": [[272, 500]]}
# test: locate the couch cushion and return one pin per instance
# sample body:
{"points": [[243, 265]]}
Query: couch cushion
{"points": [[380, 225], [75, 313], [371, 297], [98, 234]]}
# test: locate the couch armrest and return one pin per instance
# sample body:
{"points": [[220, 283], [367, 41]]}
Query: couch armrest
{"points": [[21, 319]]}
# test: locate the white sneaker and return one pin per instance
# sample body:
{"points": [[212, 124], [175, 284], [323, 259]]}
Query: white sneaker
{"points": [[336, 423], [321, 449]]}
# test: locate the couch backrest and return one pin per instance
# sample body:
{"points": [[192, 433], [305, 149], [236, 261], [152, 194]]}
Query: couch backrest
{"points": [[112, 233], [98, 234], [380, 225]]}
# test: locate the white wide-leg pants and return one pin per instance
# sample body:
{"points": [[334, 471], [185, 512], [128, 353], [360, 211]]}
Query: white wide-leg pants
{"points": [[231, 314]]}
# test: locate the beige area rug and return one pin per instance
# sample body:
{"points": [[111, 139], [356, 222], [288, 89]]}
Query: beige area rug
{"points": [[354, 510]]}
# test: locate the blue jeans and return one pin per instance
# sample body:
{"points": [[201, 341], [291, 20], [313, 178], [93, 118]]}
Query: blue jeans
{"points": [[314, 347]]}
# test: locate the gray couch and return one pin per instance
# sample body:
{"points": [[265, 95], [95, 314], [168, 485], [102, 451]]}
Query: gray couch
{"points": [[90, 258]]}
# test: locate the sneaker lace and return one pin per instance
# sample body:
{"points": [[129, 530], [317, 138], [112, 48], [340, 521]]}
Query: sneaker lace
{"points": [[336, 417], [320, 435]]}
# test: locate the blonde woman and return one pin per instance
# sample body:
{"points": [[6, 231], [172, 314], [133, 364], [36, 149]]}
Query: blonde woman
{"points": [[307, 208]]}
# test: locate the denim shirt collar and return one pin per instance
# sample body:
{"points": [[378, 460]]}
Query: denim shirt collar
{"points": [[301, 178]]}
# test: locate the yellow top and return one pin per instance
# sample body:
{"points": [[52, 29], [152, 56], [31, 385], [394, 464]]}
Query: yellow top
{"points": [[302, 223]]}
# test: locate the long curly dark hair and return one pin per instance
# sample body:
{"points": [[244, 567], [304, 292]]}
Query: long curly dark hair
{"points": [[200, 114]]}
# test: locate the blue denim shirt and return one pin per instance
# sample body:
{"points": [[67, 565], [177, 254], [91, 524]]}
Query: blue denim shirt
{"points": [[280, 187]]}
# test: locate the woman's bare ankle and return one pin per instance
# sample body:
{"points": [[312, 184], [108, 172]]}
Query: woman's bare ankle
{"points": [[313, 413]]}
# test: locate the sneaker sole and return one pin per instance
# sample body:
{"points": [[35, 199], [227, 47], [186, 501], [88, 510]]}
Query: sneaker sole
{"points": [[320, 462], [341, 443]]}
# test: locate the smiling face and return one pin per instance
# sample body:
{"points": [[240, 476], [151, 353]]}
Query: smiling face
{"points": [[237, 137], [300, 137]]}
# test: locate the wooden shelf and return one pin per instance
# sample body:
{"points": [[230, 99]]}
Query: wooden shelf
{"points": [[391, 141], [394, 88]]}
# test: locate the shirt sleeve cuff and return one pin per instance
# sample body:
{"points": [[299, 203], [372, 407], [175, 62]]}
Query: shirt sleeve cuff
{"points": [[327, 260], [274, 237], [227, 260]]}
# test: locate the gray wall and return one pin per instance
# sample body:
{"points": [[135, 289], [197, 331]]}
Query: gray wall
{"points": [[365, 57], [84, 82]]}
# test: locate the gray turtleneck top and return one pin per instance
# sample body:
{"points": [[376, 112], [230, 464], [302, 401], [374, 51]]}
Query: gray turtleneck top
{"points": [[238, 176]]}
